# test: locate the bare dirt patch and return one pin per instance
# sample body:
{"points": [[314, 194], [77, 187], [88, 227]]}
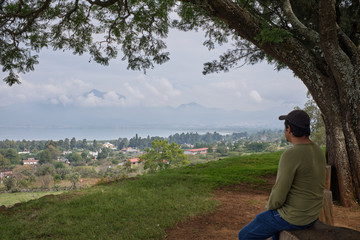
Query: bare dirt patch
{"points": [[238, 206]]}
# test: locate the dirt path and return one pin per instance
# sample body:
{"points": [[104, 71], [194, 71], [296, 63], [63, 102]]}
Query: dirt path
{"points": [[238, 206]]}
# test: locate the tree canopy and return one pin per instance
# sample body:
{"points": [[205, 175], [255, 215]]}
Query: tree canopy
{"points": [[163, 155], [317, 39]]}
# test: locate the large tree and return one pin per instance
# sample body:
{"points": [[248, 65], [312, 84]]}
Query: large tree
{"points": [[317, 39], [163, 155]]}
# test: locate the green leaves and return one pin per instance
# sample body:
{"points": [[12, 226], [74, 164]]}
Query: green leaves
{"points": [[163, 155], [272, 35], [11, 79], [102, 29]]}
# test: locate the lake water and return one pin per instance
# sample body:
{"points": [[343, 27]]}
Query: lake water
{"points": [[91, 133]]}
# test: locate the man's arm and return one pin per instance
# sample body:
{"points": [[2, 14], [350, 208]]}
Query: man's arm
{"points": [[285, 176]]}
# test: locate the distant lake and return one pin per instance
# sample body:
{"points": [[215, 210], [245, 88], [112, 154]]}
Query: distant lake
{"points": [[38, 133]]}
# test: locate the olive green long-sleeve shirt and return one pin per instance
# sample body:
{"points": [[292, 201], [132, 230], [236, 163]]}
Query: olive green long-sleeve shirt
{"points": [[298, 191]]}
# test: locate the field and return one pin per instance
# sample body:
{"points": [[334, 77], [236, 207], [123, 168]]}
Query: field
{"points": [[10, 199], [135, 208]]}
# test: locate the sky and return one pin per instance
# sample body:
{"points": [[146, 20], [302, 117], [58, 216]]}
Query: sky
{"points": [[62, 79]]}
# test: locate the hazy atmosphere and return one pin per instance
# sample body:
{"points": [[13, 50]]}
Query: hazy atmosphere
{"points": [[68, 91]]}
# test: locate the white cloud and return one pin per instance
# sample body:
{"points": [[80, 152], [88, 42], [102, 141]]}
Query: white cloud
{"points": [[52, 92], [65, 100], [63, 79], [148, 91], [256, 96]]}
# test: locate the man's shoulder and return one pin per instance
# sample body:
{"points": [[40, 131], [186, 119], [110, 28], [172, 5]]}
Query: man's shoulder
{"points": [[289, 152]]}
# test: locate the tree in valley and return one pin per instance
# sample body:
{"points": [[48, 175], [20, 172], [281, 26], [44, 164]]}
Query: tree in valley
{"points": [[74, 178], [11, 155], [317, 40], [4, 164], [24, 175], [163, 155], [75, 159], [67, 144], [10, 183], [45, 173], [72, 143], [53, 149], [84, 144], [122, 143], [95, 145], [45, 156], [103, 154]]}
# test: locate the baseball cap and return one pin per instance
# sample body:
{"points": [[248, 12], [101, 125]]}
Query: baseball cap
{"points": [[298, 118]]}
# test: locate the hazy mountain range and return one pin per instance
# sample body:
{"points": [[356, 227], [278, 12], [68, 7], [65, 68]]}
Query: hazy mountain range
{"points": [[189, 115]]}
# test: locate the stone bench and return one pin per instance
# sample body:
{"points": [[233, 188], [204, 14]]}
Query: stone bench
{"points": [[321, 231]]}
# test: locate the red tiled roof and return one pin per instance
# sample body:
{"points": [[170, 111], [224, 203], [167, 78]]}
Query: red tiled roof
{"points": [[197, 150], [133, 160]]}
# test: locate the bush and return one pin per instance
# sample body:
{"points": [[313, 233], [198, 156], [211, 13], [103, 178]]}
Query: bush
{"points": [[10, 183], [86, 172]]}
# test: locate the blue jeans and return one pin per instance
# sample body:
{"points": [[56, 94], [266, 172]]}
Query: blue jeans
{"points": [[267, 224]]}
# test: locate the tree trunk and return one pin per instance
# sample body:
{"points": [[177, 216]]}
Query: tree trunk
{"points": [[330, 69], [342, 184]]}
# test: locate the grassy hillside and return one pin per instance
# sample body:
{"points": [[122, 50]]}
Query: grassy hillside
{"points": [[140, 208]]}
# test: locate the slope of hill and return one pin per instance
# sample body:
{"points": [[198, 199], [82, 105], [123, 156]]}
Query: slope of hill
{"points": [[140, 208]]}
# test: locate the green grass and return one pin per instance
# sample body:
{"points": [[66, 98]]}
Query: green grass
{"points": [[9, 199], [140, 208]]}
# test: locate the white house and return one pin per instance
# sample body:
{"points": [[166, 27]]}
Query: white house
{"points": [[94, 154], [109, 145], [24, 152], [196, 151], [31, 161]]}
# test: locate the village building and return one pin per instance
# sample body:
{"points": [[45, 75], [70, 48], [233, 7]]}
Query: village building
{"points": [[24, 152], [64, 160], [109, 145], [133, 162], [5, 174], [94, 154], [196, 151], [130, 150], [31, 161]]}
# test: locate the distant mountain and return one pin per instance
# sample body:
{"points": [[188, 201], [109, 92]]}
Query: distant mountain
{"points": [[100, 94], [190, 105], [96, 93], [190, 115]]}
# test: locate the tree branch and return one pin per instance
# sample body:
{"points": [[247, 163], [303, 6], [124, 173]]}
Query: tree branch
{"points": [[34, 15], [298, 25], [68, 14], [349, 47], [103, 3], [328, 29]]}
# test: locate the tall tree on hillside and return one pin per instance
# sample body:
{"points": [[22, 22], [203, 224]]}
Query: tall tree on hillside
{"points": [[84, 144], [45, 173], [95, 145], [55, 152], [45, 156], [67, 144], [73, 143], [163, 155], [317, 39], [4, 164], [11, 155]]}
